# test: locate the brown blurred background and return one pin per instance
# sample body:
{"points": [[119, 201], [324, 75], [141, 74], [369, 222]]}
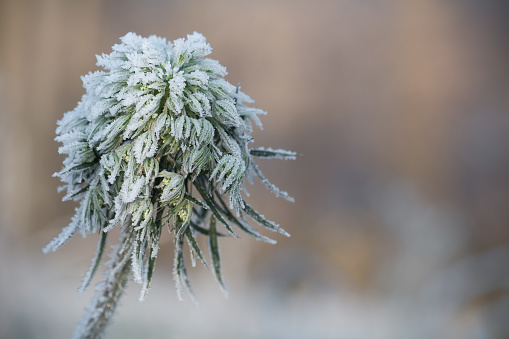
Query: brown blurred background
{"points": [[400, 111]]}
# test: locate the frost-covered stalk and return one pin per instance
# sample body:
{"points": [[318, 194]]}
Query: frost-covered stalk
{"points": [[159, 139], [108, 293]]}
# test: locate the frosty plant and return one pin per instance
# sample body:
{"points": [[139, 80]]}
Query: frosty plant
{"points": [[159, 140]]}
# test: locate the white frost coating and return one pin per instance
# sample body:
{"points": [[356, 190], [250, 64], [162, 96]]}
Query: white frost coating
{"points": [[270, 185], [173, 186], [177, 85], [159, 140], [91, 270], [145, 146], [277, 153], [206, 132], [250, 114], [198, 44], [214, 66], [130, 190], [108, 292], [204, 102], [136, 265], [226, 113], [159, 124], [198, 78], [242, 97], [66, 234], [228, 170]]}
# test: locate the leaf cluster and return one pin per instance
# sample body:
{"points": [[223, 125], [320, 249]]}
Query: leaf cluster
{"points": [[161, 140]]}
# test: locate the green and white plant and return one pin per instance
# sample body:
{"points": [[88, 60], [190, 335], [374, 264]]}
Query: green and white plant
{"points": [[159, 140]]}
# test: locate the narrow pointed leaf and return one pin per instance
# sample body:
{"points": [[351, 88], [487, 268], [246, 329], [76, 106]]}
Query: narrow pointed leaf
{"points": [[271, 153], [94, 263], [194, 245], [214, 252], [196, 201], [205, 231], [259, 218], [270, 185], [244, 226], [209, 200]]}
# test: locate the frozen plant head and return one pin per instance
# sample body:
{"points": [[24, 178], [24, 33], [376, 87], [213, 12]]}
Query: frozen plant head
{"points": [[161, 140]]}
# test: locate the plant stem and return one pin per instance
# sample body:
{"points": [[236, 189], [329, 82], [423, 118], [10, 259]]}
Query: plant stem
{"points": [[108, 293]]}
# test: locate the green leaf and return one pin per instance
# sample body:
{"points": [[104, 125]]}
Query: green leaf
{"points": [[71, 194], [94, 263], [180, 272], [214, 252], [244, 226], [79, 167], [150, 265], [270, 153], [228, 141], [270, 185], [182, 229], [210, 202], [150, 271], [194, 246], [205, 231], [259, 218], [196, 201]]}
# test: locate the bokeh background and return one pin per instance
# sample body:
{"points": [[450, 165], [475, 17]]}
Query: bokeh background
{"points": [[399, 110]]}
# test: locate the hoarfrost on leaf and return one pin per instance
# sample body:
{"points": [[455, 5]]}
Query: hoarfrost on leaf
{"points": [[157, 141]]}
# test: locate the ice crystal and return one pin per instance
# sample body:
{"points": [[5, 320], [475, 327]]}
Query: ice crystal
{"points": [[158, 121]]}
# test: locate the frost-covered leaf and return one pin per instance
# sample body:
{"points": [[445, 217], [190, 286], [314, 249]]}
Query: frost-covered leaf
{"points": [[157, 122], [229, 170], [243, 225], [214, 253], [210, 203], [270, 185], [273, 153], [94, 264], [260, 218], [172, 185], [196, 159], [226, 113], [194, 246]]}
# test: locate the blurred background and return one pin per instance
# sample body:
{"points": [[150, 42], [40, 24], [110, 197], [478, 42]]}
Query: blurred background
{"points": [[399, 110]]}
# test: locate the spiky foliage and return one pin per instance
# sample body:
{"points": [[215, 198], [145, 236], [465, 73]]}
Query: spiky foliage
{"points": [[161, 139]]}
